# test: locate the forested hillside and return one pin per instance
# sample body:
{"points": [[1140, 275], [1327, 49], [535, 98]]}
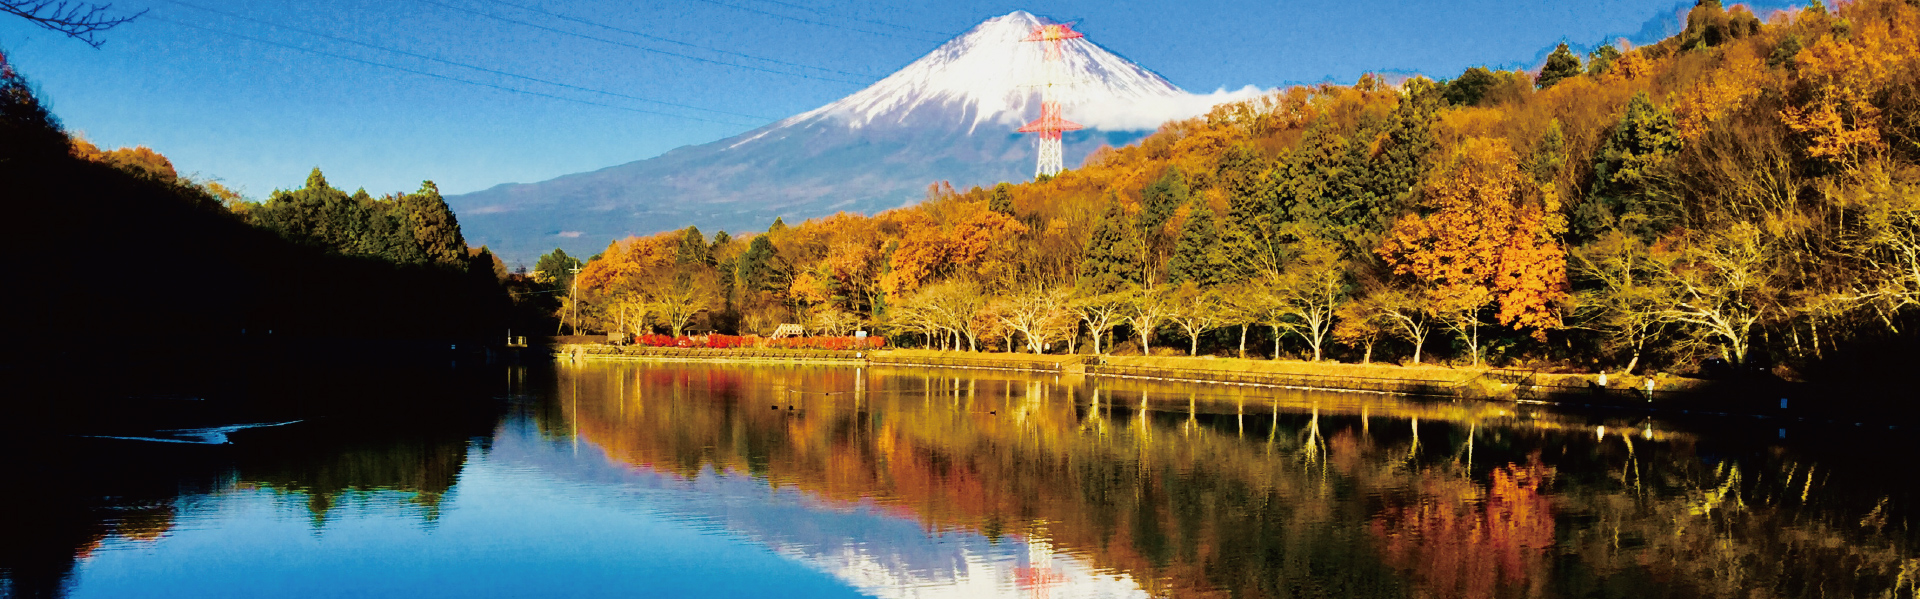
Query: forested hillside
{"points": [[118, 254], [1745, 190]]}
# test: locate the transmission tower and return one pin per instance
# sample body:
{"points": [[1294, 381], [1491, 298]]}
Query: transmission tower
{"points": [[1051, 123]]}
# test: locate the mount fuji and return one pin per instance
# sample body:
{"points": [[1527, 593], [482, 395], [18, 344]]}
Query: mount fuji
{"points": [[949, 116]]}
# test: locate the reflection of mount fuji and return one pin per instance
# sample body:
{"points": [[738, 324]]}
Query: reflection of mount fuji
{"points": [[880, 551], [949, 116]]}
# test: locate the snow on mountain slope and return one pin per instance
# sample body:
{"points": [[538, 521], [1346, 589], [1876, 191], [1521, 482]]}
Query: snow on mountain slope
{"points": [[994, 73], [948, 116]]}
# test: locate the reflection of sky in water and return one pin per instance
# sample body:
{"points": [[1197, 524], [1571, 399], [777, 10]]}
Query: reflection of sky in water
{"points": [[537, 518]]}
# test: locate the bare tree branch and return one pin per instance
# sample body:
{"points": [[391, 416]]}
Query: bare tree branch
{"points": [[78, 20]]}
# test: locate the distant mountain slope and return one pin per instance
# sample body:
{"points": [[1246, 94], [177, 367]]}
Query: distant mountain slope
{"points": [[947, 117]]}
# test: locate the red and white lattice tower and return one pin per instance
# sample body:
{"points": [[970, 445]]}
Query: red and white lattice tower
{"points": [[1051, 124]]}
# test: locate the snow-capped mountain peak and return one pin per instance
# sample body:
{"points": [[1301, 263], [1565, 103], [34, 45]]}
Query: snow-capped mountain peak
{"points": [[991, 76], [950, 116]]}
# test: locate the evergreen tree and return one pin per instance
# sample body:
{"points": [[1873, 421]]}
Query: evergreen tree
{"points": [[693, 249], [1386, 174], [1197, 255], [1160, 199], [1001, 200], [1600, 60], [435, 230], [1315, 184], [484, 266], [1626, 169], [558, 267], [1247, 240], [1550, 155], [760, 267], [393, 225], [347, 224], [1561, 64], [726, 268], [1112, 257], [303, 215], [1470, 87]]}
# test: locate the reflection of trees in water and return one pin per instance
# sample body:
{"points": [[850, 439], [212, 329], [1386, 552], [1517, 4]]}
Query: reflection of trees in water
{"points": [[417, 472], [1459, 538], [1215, 497], [69, 498], [1724, 530]]}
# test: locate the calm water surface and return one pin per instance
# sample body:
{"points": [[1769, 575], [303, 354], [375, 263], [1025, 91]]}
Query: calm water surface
{"points": [[685, 480]]}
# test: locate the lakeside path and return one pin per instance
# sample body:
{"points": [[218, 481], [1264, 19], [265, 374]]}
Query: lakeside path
{"points": [[1391, 379]]}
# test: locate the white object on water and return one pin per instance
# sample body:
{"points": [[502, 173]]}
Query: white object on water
{"points": [[198, 436]]}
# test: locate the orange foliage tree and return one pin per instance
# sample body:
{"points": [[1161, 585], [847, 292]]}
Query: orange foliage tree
{"points": [[1487, 237]]}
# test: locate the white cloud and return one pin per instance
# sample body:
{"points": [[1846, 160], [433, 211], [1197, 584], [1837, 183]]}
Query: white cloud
{"points": [[1149, 113]]}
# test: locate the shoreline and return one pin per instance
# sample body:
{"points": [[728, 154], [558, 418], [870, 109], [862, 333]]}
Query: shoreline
{"points": [[1673, 395], [1417, 381]]}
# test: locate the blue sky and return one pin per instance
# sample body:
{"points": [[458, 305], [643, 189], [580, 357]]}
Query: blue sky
{"points": [[258, 114]]}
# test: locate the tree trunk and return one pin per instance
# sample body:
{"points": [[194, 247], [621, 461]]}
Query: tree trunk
{"points": [[1276, 342], [1368, 357], [1193, 345], [1243, 341]]}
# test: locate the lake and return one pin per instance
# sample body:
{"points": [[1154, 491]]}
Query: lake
{"points": [[634, 479]]}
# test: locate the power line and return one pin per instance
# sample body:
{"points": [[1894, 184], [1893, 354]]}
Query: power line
{"points": [[811, 22], [627, 45], [436, 75], [467, 66], [675, 42], [880, 23]]}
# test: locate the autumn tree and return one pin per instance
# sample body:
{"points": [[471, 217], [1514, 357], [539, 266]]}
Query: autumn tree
{"points": [[1309, 292], [1196, 310], [1718, 285], [1624, 297], [1101, 313], [1362, 323], [1488, 237], [1040, 315], [956, 308], [1146, 309], [680, 297]]}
